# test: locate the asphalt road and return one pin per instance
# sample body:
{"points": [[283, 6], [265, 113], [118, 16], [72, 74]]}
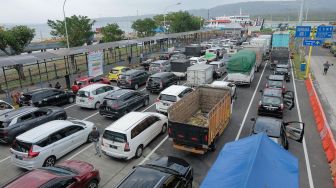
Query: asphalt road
{"points": [[312, 172]]}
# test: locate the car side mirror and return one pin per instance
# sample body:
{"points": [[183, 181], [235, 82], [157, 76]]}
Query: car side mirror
{"points": [[261, 91], [253, 119]]}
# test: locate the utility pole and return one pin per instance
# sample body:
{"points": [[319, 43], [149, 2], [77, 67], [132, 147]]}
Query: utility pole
{"points": [[208, 14], [307, 14], [301, 12]]}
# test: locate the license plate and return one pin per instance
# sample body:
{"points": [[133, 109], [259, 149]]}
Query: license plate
{"points": [[113, 146], [271, 109], [18, 157], [165, 104]]}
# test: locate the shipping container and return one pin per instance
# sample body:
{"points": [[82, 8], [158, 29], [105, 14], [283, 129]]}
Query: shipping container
{"points": [[200, 74]]}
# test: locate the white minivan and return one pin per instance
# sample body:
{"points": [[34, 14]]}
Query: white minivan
{"points": [[43, 145], [93, 95], [128, 136], [171, 95]]}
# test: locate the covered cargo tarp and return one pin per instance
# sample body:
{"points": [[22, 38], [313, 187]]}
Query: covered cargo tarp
{"points": [[242, 62], [251, 162]]}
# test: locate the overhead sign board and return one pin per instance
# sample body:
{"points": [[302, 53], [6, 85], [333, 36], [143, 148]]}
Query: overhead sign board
{"points": [[302, 31], [312, 42], [95, 63], [324, 31]]}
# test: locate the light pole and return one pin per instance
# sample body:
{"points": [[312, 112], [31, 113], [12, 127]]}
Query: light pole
{"points": [[65, 25], [301, 12], [165, 12]]}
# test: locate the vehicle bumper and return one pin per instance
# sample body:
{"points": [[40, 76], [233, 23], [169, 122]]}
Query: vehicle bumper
{"points": [[29, 164], [110, 114], [116, 154], [154, 89], [84, 105]]}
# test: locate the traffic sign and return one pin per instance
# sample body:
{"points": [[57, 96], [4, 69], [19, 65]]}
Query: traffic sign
{"points": [[324, 31], [312, 42], [302, 31]]}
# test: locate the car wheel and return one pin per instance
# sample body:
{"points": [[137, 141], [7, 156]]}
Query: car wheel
{"points": [[189, 185], [50, 161], [71, 99], [93, 184], [138, 152], [97, 105], [212, 146], [136, 86], [146, 102], [164, 128]]}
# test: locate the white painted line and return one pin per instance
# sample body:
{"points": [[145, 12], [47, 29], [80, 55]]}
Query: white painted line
{"points": [[151, 153], [148, 107], [70, 106], [249, 106], [91, 116], [87, 147], [310, 177], [2, 160], [225, 77]]}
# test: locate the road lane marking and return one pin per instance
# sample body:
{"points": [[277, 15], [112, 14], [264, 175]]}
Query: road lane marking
{"points": [[2, 160], [249, 106], [87, 147], [70, 106], [151, 153], [310, 177]]}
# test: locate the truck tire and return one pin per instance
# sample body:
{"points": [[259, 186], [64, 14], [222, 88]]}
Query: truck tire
{"points": [[212, 146]]}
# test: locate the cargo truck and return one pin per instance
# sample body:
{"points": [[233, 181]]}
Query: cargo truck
{"points": [[200, 74], [259, 55], [280, 39], [279, 55], [280, 48], [198, 119], [193, 51], [241, 67], [268, 42], [261, 43], [179, 67]]}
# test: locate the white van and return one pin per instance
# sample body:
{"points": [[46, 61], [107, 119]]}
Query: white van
{"points": [[44, 144], [93, 95], [171, 95], [128, 136]]}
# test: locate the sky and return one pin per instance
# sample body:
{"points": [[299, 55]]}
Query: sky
{"points": [[39, 11]]}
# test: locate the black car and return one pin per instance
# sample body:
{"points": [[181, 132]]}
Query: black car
{"points": [[132, 79], [283, 71], [159, 81], [25, 118], [122, 101], [161, 173], [273, 102], [278, 130], [46, 97]]}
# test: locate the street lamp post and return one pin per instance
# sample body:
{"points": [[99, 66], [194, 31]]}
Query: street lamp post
{"points": [[65, 25], [165, 12]]}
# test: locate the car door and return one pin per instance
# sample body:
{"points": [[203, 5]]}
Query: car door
{"points": [[294, 130], [61, 97], [101, 93], [288, 100], [77, 136], [130, 100], [144, 77], [59, 143], [147, 132]]}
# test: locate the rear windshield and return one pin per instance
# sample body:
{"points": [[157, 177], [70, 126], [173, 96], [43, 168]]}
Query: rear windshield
{"points": [[193, 61], [110, 102], [271, 100], [21, 146], [275, 83], [84, 94], [170, 98], [114, 136], [154, 79], [155, 65]]}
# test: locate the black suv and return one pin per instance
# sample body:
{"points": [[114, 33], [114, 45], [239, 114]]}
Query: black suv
{"points": [[122, 101], [161, 173], [25, 118], [46, 97], [159, 81], [132, 79], [283, 71], [278, 130], [273, 102]]}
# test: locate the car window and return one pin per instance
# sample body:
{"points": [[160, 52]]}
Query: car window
{"points": [[57, 135], [59, 183], [115, 71], [73, 129], [57, 92], [143, 125], [4, 106], [128, 96], [172, 182], [108, 88], [100, 90], [84, 94], [26, 117], [40, 113]]}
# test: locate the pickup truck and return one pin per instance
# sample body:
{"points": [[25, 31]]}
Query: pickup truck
{"points": [[198, 119]]}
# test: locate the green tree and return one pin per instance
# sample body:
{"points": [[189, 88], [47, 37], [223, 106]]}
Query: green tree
{"points": [[79, 29], [183, 21], [112, 32], [145, 27]]}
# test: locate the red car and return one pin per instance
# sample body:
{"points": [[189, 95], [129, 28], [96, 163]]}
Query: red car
{"points": [[87, 80], [68, 174]]}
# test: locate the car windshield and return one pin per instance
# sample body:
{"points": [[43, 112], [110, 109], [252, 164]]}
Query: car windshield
{"points": [[193, 61], [269, 126], [61, 170], [114, 136], [155, 65], [271, 100], [114, 71], [274, 83], [170, 98], [84, 94]]}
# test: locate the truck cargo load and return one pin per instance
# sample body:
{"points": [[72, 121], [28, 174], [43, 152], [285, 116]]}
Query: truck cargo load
{"points": [[260, 42], [280, 39], [199, 118], [193, 51], [259, 55], [255, 161], [200, 74], [243, 61], [268, 41], [279, 55]]}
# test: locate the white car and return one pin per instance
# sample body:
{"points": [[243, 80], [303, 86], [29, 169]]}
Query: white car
{"points": [[93, 95], [44, 144], [128, 136], [197, 60], [5, 107], [169, 96], [224, 84]]}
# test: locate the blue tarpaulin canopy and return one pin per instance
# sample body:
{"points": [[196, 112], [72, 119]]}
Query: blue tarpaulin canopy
{"points": [[253, 162]]}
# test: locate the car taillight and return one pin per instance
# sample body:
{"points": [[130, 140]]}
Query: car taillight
{"points": [[194, 139], [91, 98], [126, 148], [206, 138], [282, 106], [31, 153], [259, 104], [161, 85], [180, 136], [266, 84]]}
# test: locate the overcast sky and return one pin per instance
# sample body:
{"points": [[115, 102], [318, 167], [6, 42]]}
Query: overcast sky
{"points": [[38, 11]]}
